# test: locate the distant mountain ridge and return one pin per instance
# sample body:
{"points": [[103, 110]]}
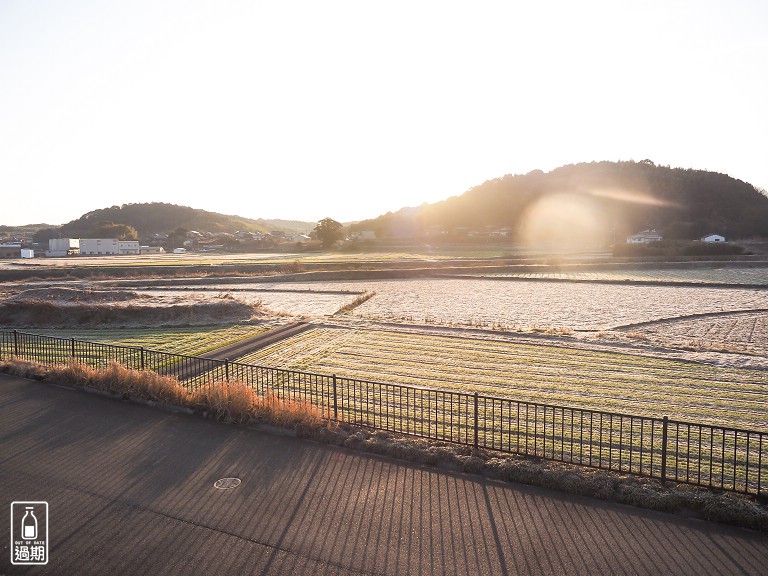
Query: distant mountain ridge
{"points": [[24, 230], [162, 218], [604, 201]]}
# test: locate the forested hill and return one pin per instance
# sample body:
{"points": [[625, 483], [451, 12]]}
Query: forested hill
{"points": [[159, 217], [602, 200]]}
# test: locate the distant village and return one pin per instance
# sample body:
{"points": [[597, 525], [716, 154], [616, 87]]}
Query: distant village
{"points": [[648, 236], [15, 247], [193, 241]]}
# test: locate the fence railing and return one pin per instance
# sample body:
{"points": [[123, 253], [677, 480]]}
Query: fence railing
{"points": [[712, 456]]}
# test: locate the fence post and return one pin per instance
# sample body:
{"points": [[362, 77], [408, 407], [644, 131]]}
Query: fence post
{"points": [[335, 401], [664, 433], [73, 348], [16, 343], [226, 368], [142, 357], [477, 424]]}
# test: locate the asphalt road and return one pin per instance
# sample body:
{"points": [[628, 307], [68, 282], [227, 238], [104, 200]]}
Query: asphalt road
{"points": [[131, 491]]}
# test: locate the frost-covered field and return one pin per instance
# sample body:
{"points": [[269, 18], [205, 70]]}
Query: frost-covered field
{"points": [[686, 317], [544, 373], [738, 332], [753, 276], [526, 305], [705, 324], [551, 305], [601, 347], [496, 303], [695, 319], [280, 299]]}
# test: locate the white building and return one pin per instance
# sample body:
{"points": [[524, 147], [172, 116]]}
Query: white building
{"points": [[644, 237], [300, 239], [99, 246], [58, 247], [128, 247], [91, 246], [152, 250], [711, 238], [499, 233], [27, 253]]}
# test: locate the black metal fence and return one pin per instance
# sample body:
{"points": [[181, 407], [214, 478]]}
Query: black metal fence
{"points": [[712, 456]]}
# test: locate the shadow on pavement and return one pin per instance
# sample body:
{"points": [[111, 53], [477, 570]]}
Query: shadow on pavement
{"points": [[131, 491]]}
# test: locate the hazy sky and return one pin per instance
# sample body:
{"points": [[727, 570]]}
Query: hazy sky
{"points": [[308, 109]]}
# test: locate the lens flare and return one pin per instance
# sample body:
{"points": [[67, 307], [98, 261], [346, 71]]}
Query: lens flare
{"points": [[629, 196], [564, 221]]}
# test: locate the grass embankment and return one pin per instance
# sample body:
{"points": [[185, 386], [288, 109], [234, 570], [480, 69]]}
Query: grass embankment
{"points": [[547, 374], [41, 313], [236, 403], [362, 298]]}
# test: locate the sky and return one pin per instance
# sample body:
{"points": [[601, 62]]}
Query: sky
{"points": [[350, 109]]}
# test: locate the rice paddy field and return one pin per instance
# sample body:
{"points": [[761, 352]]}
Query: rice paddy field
{"points": [[219, 258], [558, 375], [688, 318], [735, 276], [738, 332], [730, 322], [280, 299], [518, 305], [675, 345], [191, 341]]}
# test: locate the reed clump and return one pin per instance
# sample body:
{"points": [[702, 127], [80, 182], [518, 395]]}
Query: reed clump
{"points": [[223, 400]]}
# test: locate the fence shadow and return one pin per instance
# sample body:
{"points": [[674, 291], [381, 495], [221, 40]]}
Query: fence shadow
{"points": [[141, 481]]}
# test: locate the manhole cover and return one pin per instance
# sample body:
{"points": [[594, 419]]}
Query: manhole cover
{"points": [[226, 483]]}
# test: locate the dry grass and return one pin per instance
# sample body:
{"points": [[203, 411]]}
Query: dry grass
{"points": [[225, 401], [42, 313], [288, 413], [24, 368], [637, 336], [228, 403], [295, 267], [364, 297], [238, 403], [552, 331]]}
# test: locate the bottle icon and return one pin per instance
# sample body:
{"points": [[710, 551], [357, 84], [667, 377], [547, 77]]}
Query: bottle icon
{"points": [[29, 524]]}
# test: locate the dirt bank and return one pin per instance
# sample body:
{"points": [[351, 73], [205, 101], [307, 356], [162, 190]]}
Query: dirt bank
{"points": [[72, 307]]}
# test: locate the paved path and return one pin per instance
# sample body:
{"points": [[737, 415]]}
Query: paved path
{"points": [[130, 490], [189, 370]]}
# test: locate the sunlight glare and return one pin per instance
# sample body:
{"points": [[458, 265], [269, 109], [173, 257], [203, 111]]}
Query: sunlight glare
{"points": [[563, 222], [631, 196]]}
